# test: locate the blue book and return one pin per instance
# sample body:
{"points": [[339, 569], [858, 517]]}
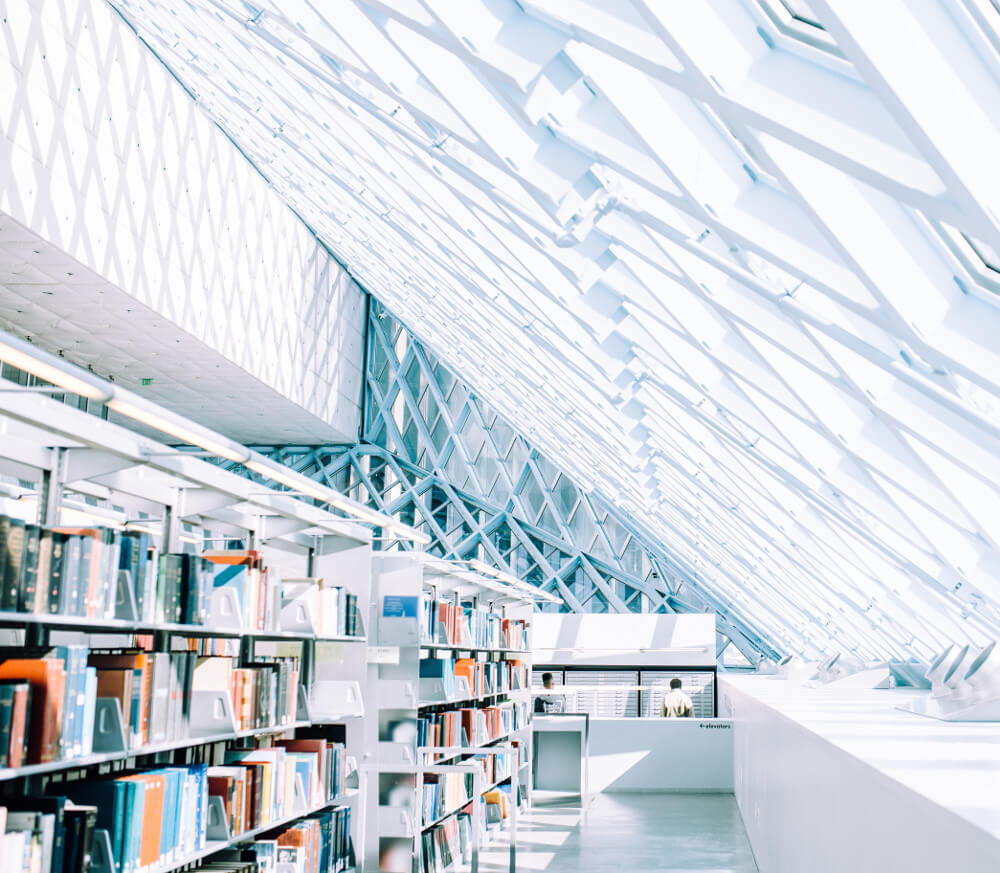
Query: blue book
{"points": [[74, 660], [305, 768], [439, 668], [135, 809], [168, 821], [200, 772]]}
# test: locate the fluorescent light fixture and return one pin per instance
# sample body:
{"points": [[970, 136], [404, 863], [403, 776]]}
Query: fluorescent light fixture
{"points": [[138, 409], [520, 584], [295, 481], [408, 533], [51, 368], [303, 484]]}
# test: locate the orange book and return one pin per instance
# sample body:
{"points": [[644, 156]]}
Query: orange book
{"points": [[499, 798], [295, 836], [48, 689], [152, 816], [467, 667]]}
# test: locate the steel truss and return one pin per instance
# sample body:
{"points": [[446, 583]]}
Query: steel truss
{"points": [[436, 457]]}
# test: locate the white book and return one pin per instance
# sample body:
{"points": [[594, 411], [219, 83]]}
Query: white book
{"points": [[89, 712]]}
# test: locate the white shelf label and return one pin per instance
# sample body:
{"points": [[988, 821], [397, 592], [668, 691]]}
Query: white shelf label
{"points": [[383, 654]]}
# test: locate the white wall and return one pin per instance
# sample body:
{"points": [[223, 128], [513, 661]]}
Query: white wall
{"points": [[104, 155], [661, 754], [831, 782], [633, 640]]}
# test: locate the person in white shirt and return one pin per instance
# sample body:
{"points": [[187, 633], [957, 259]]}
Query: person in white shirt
{"points": [[677, 704]]}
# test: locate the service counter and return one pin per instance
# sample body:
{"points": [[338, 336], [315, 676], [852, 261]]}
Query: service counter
{"points": [[634, 754]]}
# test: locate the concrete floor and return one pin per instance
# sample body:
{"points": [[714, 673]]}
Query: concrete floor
{"points": [[631, 832]]}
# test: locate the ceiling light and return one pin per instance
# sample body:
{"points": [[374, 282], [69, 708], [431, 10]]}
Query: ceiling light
{"points": [[295, 481], [51, 368], [162, 420]]}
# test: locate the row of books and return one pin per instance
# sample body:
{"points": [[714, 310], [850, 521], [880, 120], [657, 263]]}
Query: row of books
{"points": [[320, 843], [446, 623], [264, 693], [153, 817], [489, 677], [66, 571], [258, 786], [48, 701], [47, 704], [444, 793], [496, 767], [471, 727], [480, 677], [46, 835], [447, 844], [330, 609], [450, 842], [157, 818], [76, 572]]}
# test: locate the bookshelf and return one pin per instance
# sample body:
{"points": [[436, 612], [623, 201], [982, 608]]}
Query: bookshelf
{"points": [[70, 467], [450, 686]]}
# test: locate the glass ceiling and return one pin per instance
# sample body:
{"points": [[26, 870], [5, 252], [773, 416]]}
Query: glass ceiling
{"points": [[731, 264]]}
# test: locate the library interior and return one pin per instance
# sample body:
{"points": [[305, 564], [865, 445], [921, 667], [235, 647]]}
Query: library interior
{"points": [[499, 436]]}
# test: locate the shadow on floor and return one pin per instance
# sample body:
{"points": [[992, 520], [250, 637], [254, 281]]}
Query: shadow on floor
{"points": [[628, 833]]}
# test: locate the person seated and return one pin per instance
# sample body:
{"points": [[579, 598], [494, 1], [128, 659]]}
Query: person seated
{"points": [[549, 704], [677, 704]]}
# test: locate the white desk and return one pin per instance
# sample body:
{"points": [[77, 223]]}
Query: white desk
{"points": [[661, 754]]}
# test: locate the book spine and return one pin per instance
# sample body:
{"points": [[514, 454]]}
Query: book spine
{"points": [[29, 571], [56, 572], [12, 568], [6, 717]]}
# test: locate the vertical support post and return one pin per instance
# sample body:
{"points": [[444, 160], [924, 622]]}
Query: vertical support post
{"points": [[50, 498], [307, 667], [36, 636], [246, 650], [172, 527]]}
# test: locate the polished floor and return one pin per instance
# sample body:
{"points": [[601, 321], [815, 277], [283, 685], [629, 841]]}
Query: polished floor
{"points": [[631, 832]]}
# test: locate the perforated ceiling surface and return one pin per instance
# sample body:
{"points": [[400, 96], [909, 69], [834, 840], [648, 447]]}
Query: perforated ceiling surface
{"points": [[733, 264]]}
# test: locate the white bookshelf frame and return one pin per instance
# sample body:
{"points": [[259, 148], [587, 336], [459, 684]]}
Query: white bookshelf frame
{"points": [[66, 450], [395, 690]]}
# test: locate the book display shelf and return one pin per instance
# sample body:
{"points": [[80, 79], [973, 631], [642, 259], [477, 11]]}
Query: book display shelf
{"points": [[184, 657], [451, 746]]}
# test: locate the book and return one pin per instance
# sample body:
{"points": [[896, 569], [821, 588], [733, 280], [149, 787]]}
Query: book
{"points": [[14, 535], [28, 587], [48, 685], [80, 823]]}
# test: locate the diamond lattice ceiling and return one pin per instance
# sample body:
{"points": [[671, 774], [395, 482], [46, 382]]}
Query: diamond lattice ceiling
{"points": [[731, 263]]}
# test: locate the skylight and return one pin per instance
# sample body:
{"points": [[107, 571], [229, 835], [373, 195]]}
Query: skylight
{"points": [[682, 248]]}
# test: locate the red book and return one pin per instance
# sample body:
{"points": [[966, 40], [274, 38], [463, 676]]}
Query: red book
{"points": [[17, 751]]}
